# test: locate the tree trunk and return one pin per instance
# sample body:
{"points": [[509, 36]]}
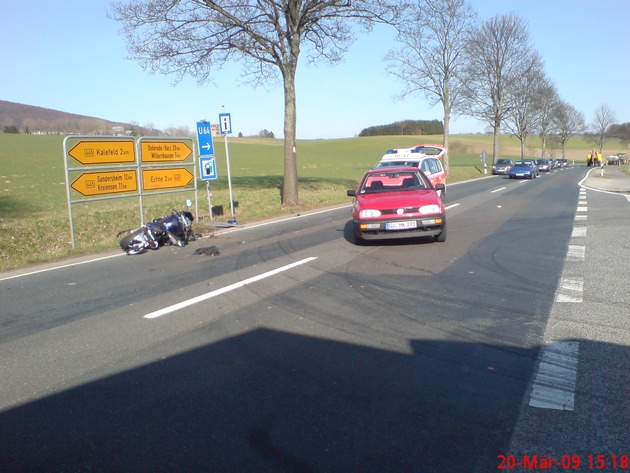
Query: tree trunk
{"points": [[495, 144], [290, 183], [447, 127]]}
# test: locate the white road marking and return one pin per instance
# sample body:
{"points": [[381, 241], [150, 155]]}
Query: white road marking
{"points": [[280, 220], [62, 266], [452, 205], [554, 383], [231, 287], [570, 289], [578, 232], [576, 253], [497, 190]]}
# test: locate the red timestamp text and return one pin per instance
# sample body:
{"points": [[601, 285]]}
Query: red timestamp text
{"points": [[564, 462]]}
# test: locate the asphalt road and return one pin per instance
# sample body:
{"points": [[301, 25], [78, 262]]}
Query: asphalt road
{"points": [[296, 350]]}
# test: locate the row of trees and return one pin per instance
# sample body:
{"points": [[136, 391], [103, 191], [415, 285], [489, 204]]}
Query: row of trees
{"points": [[406, 127], [619, 131], [488, 70], [78, 125]]}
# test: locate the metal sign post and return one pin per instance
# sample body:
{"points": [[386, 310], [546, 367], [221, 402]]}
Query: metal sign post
{"points": [[225, 125], [111, 167], [209, 195]]}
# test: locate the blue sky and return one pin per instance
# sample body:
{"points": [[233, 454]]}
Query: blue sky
{"points": [[69, 56]]}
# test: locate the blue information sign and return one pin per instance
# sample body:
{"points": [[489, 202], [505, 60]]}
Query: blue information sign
{"points": [[204, 138], [225, 123]]}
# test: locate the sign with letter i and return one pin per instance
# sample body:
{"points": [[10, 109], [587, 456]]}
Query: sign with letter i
{"points": [[225, 123]]}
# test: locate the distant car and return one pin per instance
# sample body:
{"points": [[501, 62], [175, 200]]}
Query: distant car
{"points": [[612, 159], [544, 164], [502, 166], [425, 157], [533, 163], [523, 170], [398, 202]]}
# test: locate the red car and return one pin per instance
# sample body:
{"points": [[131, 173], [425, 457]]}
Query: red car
{"points": [[397, 203]]}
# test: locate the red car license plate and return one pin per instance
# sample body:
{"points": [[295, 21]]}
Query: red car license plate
{"points": [[400, 225]]}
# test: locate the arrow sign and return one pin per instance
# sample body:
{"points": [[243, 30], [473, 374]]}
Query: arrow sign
{"points": [[164, 151], [104, 152], [170, 178], [204, 138], [99, 183]]}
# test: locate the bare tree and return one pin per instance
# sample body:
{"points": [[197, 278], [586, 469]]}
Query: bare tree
{"points": [[499, 53], [433, 37], [179, 131], [197, 37], [568, 122], [523, 117], [604, 117], [546, 126]]}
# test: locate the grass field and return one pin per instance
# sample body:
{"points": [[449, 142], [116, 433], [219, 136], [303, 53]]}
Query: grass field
{"points": [[34, 220]]}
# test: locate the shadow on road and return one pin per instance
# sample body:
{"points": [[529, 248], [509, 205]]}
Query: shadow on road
{"points": [[274, 401]]}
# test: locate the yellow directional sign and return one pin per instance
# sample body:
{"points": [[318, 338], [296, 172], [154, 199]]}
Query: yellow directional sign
{"points": [[104, 152], [109, 182], [169, 178], [164, 151]]}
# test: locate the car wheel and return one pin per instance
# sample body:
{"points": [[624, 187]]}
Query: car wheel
{"points": [[442, 236]]}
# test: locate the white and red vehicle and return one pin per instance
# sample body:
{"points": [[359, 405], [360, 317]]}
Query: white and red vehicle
{"points": [[426, 157]]}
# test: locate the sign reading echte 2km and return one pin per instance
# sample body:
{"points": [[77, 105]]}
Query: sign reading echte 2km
{"points": [[104, 152], [169, 178]]}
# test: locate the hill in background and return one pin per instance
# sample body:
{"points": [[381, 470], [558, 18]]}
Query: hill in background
{"points": [[31, 119]]}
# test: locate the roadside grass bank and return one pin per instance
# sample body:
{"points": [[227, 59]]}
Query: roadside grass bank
{"points": [[34, 221]]}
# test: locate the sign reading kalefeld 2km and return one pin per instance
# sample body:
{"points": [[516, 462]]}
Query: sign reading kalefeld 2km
{"points": [[107, 182], [104, 152], [164, 151], [169, 178]]}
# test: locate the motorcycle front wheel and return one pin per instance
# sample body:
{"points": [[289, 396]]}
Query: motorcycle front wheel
{"points": [[131, 244]]}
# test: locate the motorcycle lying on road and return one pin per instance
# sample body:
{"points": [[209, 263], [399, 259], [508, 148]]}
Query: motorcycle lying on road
{"points": [[174, 229]]}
